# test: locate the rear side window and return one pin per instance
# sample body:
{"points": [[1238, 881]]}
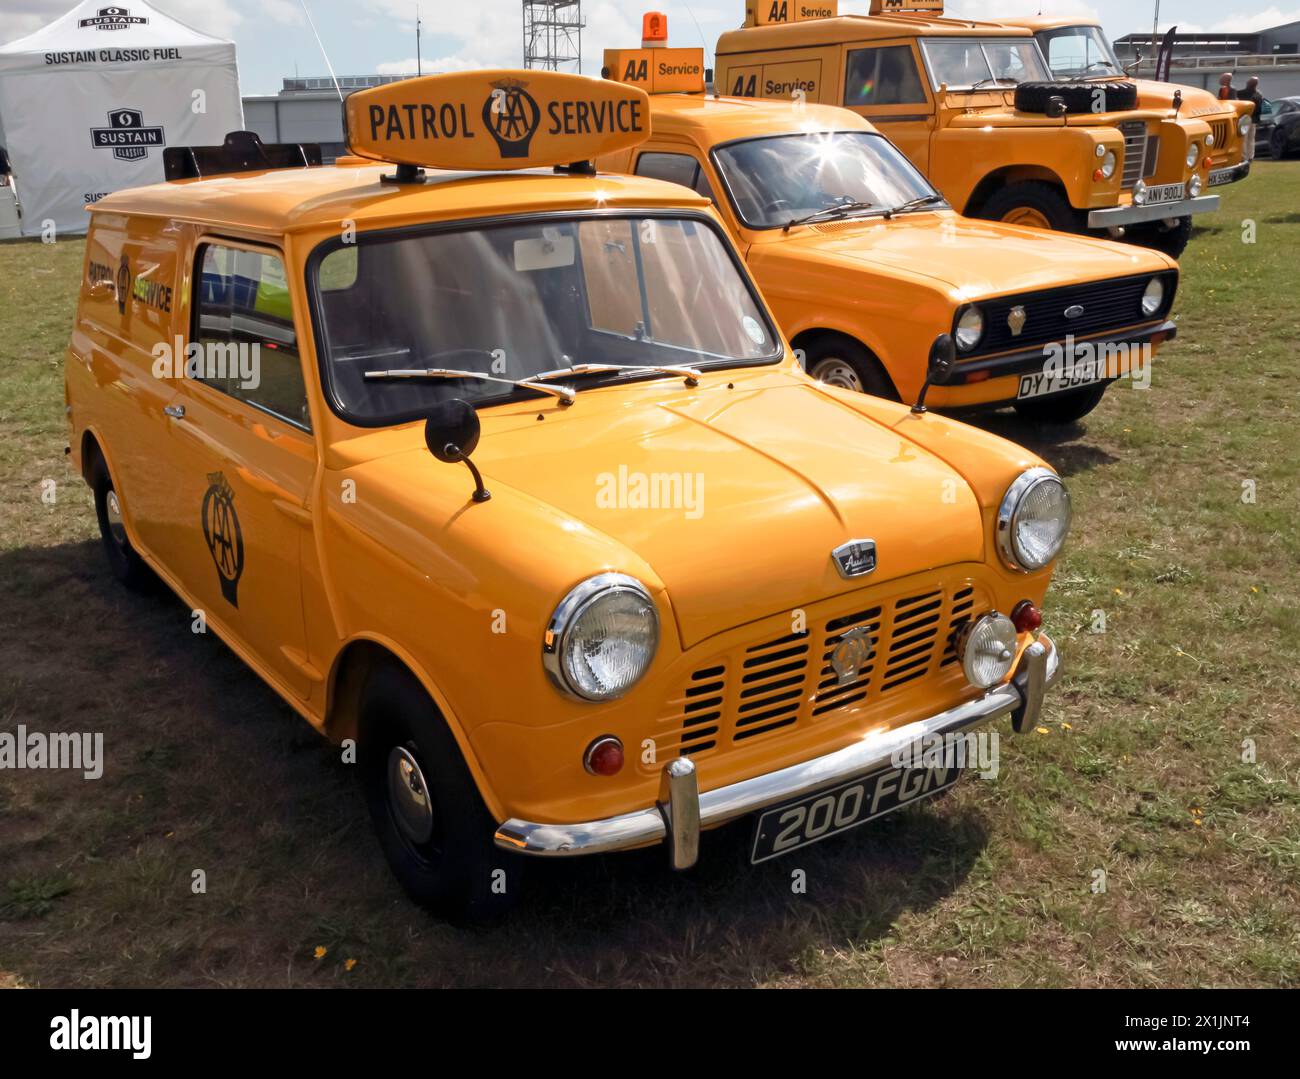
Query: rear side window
{"points": [[676, 169], [244, 323], [883, 76]]}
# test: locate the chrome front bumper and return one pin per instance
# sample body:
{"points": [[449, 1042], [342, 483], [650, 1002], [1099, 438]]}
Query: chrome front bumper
{"points": [[1118, 216], [681, 812]]}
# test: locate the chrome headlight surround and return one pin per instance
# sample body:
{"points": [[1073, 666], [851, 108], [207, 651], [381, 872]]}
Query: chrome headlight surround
{"points": [[584, 601], [987, 649], [968, 328], [1153, 298], [1035, 483], [1243, 125]]}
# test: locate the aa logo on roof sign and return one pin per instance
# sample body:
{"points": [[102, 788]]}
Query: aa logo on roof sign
{"points": [[127, 136], [112, 18]]}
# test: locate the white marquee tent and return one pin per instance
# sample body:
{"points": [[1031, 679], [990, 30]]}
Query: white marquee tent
{"points": [[88, 103]]}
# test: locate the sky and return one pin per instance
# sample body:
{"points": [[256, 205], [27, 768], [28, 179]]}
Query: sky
{"points": [[364, 37]]}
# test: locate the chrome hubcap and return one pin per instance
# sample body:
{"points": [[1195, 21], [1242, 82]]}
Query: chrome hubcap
{"points": [[836, 372], [113, 510], [408, 795]]}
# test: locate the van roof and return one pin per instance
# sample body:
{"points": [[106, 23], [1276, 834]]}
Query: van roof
{"points": [[713, 120], [1052, 22], [294, 200], [843, 28]]}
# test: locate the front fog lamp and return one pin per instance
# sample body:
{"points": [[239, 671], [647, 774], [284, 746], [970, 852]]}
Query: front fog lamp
{"points": [[1194, 186], [1140, 193], [970, 328], [1153, 297], [1243, 125], [1108, 165], [601, 638], [1033, 520], [987, 649], [1193, 155]]}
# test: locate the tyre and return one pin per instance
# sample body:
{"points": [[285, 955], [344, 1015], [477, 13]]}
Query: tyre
{"points": [[1062, 408], [1172, 240], [1277, 145], [431, 822], [126, 565], [840, 361], [1079, 97], [1034, 204]]}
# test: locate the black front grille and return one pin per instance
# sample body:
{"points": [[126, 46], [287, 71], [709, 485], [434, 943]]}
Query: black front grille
{"points": [[1107, 305]]}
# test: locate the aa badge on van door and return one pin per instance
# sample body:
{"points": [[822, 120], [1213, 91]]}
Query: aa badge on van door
{"points": [[222, 534]]}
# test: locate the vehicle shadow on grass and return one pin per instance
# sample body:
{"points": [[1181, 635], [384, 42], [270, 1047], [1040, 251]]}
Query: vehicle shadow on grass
{"points": [[205, 769], [1065, 446]]}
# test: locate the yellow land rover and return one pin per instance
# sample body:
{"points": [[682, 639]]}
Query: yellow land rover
{"points": [[865, 263], [501, 468], [975, 107]]}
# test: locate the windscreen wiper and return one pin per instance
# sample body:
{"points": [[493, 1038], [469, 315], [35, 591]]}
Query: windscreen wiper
{"points": [[998, 81], [912, 204], [564, 393], [839, 210], [690, 374]]}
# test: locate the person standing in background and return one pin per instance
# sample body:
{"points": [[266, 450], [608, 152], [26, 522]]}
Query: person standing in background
{"points": [[1226, 92], [1251, 93]]}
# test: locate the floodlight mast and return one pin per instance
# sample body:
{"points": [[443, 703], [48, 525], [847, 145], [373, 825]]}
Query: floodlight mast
{"points": [[553, 34]]}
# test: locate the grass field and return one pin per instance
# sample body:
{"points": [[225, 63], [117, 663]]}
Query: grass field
{"points": [[1138, 770]]}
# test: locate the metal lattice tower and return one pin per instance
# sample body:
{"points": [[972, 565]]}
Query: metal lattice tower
{"points": [[553, 34]]}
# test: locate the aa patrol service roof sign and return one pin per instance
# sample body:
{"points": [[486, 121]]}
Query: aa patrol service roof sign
{"points": [[495, 120]]}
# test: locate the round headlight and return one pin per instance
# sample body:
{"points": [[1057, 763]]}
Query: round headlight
{"points": [[1108, 164], [1153, 297], [1209, 141], [601, 638], [987, 648], [1033, 520], [970, 328], [1243, 125], [1194, 186], [1139, 193], [1193, 155]]}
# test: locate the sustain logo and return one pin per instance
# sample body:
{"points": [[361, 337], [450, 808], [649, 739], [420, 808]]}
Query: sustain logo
{"points": [[127, 136], [512, 116], [111, 18]]}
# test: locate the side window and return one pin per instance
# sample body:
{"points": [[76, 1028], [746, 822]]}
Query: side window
{"points": [[244, 325], [677, 169], [883, 76]]}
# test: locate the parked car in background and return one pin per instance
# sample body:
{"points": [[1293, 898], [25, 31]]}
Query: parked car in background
{"points": [[1279, 127]]}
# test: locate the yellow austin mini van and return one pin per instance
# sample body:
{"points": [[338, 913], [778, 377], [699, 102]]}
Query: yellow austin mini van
{"points": [[499, 471], [864, 262], [975, 106]]}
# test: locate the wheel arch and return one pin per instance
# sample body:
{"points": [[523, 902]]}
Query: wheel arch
{"points": [[1008, 175], [353, 663], [804, 338]]}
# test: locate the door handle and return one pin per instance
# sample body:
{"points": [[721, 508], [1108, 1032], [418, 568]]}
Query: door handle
{"points": [[176, 412]]}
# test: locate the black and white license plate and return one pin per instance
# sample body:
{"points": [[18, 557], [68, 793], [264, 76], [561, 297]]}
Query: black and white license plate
{"points": [[1219, 177], [827, 813], [1041, 384], [1158, 196]]}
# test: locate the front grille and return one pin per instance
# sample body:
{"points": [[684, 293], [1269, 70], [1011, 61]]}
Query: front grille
{"points": [[1107, 305], [1219, 129], [787, 682], [1135, 147]]}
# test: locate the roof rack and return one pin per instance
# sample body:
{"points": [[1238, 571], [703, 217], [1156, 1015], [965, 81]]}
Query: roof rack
{"points": [[242, 151]]}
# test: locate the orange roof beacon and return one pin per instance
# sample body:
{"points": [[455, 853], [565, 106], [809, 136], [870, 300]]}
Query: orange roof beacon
{"points": [[502, 468], [864, 262], [978, 110]]}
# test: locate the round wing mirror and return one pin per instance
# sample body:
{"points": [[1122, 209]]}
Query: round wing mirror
{"points": [[943, 357], [451, 430], [1056, 107]]}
